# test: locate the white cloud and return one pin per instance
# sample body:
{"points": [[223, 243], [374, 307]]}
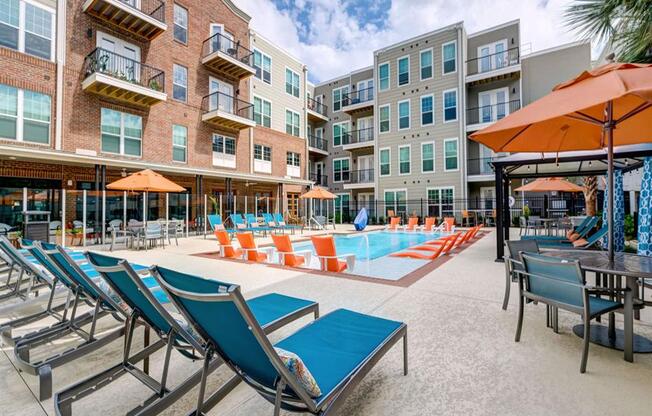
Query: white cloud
{"points": [[336, 43]]}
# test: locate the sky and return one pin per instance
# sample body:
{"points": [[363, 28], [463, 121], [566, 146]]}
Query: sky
{"points": [[334, 37]]}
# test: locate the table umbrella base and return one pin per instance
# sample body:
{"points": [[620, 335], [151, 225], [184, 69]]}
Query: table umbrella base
{"points": [[600, 336]]}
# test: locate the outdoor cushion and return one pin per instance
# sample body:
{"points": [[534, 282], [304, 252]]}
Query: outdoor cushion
{"points": [[104, 287], [333, 346], [573, 237], [580, 242], [296, 366]]}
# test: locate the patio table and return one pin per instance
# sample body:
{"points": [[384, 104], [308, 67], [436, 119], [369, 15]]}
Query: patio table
{"points": [[629, 266]]}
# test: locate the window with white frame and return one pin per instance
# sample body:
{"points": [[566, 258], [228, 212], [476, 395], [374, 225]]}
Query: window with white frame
{"points": [[180, 24], [338, 94], [24, 115], [384, 118], [427, 110], [179, 143], [341, 170], [404, 167], [396, 201], [450, 105], [403, 65], [427, 157], [292, 123], [425, 62], [383, 76], [263, 66], [385, 161], [121, 133], [262, 112], [223, 151], [441, 202], [341, 133], [262, 158], [404, 115], [293, 161], [180, 82], [450, 154], [449, 57], [292, 82], [27, 27]]}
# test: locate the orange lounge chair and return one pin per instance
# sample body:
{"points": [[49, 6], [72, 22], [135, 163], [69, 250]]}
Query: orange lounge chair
{"points": [[420, 255], [286, 254], [251, 251], [413, 223], [434, 245], [429, 225], [449, 224], [328, 258], [394, 223], [226, 248]]}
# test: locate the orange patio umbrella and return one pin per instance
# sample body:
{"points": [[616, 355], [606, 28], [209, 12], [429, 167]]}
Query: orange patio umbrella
{"points": [[145, 181], [549, 185], [608, 106], [318, 193]]}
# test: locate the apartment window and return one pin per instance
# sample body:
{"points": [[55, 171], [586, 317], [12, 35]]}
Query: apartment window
{"points": [[263, 66], [404, 160], [395, 200], [340, 134], [383, 76], [450, 105], [385, 162], [341, 170], [293, 162], [262, 158], [425, 58], [262, 112], [27, 28], [292, 82], [427, 111], [223, 151], [121, 133], [427, 157], [180, 82], [449, 57], [24, 115], [179, 143], [338, 95], [180, 24], [450, 154], [404, 115], [384, 118], [441, 202], [403, 71], [292, 123]]}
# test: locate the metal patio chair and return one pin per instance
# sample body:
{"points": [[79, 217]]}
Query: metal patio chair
{"points": [[513, 263]]}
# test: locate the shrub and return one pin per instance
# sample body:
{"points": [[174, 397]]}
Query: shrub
{"points": [[526, 211], [630, 227]]}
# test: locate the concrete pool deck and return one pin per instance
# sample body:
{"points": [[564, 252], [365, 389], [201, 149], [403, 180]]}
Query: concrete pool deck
{"points": [[462, 355]]}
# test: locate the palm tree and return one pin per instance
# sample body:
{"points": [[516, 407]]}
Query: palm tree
{"points": [[590, 194], [626, 24]]}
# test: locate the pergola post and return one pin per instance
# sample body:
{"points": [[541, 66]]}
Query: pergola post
{"points": [[500, 216], [507, 213]]}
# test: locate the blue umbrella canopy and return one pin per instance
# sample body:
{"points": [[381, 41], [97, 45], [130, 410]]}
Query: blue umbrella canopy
{"points": [[619, 212], [645, 211]]}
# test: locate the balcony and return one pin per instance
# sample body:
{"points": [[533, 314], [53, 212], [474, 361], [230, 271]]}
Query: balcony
{"points": [[319, 179], [122, 79], [500, 65], [480, 169], [317, 145], [316, 110], [227, 112], [480, 117], [142, 18], [227, 57], [360, 179], [358, 139], [358, 101]]}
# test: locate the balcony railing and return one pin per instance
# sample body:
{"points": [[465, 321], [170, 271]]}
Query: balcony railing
{"points": [[317, 142], [221, 43], [358, 136], [319, 179], [479, 166], [491, 113], [117, 66], [358, 96], [361, 176], [218, 101], [493, 62], [152, 8], [317, 107]]}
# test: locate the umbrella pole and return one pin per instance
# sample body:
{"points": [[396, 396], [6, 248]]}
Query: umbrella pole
{"points": [[609, 127]]}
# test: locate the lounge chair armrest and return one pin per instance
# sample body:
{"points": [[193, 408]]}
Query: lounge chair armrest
{"points": [[350, 261], [306, 254]]}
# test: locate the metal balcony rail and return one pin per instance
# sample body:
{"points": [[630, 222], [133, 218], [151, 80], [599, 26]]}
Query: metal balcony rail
{"points": [[319, 179], [117, 66], [317, 107], [359, 136], [219, 42], [361, 176], [317, 142], [358, 96], [152, 8], [493, 62], [479, 166], [491, 113], [228, 104]]}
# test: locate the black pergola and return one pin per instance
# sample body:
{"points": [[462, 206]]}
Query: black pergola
{"points": [[543, 165]]}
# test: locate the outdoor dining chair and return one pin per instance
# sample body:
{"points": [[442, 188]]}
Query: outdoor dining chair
{"points": [[152, 233], [514, 264]]}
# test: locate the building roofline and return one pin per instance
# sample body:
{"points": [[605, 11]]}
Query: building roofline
{"points": [[557, 48], [238, 11], [348, 74], [283, 51], [457, 25], [491, 29]]}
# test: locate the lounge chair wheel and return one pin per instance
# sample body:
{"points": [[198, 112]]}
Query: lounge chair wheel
{"points": [[45, 382]]}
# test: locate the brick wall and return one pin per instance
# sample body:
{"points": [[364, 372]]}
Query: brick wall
{"points": [[281, 143]]}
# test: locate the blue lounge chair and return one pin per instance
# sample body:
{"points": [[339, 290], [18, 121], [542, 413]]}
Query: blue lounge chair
{"points": [[560, 284], [280, 222], [591, 241], [148, 303], [215, 221], [338, 349], [582, 229], [238, 222], [253, 225], [271, 222], [21, 278]]}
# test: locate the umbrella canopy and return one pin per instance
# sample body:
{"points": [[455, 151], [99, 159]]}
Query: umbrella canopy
{"points": [[549, 185], [645, 211], [145, 181], [318, 193]]}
